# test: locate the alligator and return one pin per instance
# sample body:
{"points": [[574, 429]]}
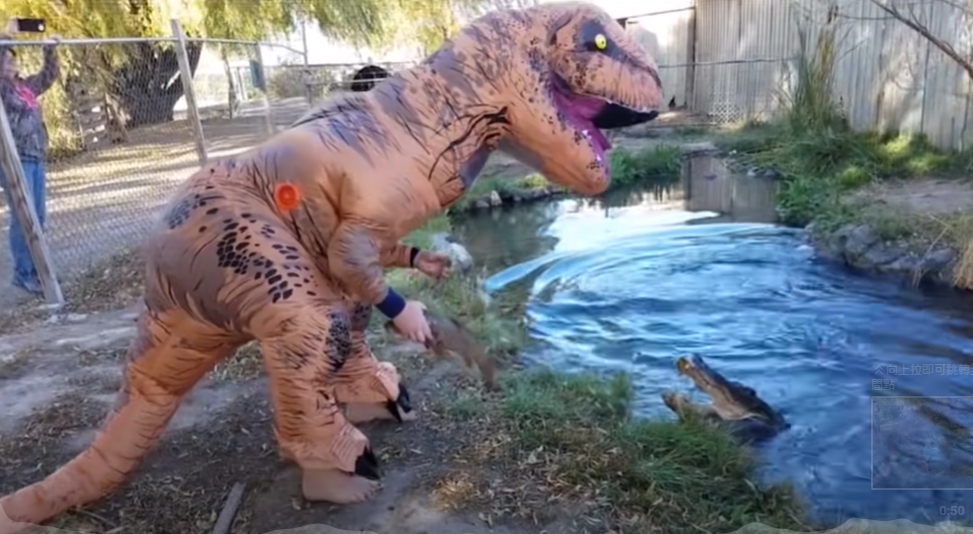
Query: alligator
{"points": [[735, 407]]}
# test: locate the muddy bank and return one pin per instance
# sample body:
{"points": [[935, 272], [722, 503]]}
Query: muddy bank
{"points": [[496, 199], [917, 230]]}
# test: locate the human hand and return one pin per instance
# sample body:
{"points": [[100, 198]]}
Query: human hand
{"points": [[433, 264], [411, 322]]}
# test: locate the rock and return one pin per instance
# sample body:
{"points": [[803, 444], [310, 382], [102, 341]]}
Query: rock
{"points": [[770, 174], [881, 256], [536, 194], [444, 243], [938, 261], [860, 247], [856, 240], [495, 199], [481, 203], [906, 264]]}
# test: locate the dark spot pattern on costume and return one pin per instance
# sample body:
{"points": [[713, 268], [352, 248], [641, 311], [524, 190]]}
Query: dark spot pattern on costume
{"points": [[361, 314], [183, 209], [338, 342]]}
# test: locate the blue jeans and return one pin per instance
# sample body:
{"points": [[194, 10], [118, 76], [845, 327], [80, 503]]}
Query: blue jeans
{"points": [[24, 271]]}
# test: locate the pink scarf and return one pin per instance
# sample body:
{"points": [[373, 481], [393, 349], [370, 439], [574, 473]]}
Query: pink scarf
{"points": [[26, 95]]}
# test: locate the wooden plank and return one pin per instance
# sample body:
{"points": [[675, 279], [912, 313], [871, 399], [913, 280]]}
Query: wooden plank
{"points": [[91, 121], [23, 209]]}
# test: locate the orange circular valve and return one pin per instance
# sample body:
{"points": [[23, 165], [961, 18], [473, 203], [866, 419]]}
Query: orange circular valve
{"points": [[286, 196]]}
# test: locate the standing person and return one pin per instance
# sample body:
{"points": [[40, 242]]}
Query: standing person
{"points": [[19, 96]]}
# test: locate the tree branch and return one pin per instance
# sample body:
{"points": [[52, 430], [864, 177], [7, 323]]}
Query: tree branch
{"points": [[913, 23]]}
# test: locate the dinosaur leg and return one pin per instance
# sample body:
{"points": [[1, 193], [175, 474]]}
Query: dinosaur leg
{"points": [[369, 389], [337, 463], [164, 363]]}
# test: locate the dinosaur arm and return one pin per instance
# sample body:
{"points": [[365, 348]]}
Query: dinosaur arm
{"points": [[356, 261], [399, 255]]}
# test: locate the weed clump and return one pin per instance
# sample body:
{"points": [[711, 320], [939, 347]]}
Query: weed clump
{"points": [[630, 168]]}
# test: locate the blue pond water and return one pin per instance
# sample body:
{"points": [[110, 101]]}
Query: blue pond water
{"points": [[631, 288]]}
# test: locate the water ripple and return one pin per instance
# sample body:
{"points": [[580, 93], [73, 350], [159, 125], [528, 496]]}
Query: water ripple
{"points": [[752, 299]]}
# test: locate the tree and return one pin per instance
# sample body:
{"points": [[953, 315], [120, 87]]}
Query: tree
{"points": [[144, 78]]}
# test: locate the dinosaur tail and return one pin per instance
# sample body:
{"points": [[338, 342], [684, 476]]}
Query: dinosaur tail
{"points": [[135, 423]]}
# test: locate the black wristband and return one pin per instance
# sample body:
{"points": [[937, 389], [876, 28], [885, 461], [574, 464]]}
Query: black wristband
{"points": [[392, 305], [412, 256]]}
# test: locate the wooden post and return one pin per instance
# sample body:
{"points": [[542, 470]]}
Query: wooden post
{"points": [[22, 207], [268, 114], [186, 76], [691, 59]]}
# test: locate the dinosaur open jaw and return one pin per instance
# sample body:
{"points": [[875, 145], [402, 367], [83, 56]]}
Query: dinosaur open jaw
{"points": [[580, 112], [590, 115]]}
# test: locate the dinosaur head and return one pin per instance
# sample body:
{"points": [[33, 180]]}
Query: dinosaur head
{"points": [[576, 73]]}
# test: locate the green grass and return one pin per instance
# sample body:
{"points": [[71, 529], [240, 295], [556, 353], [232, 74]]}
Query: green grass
{"points": [[821, 167], [632, 168], [575, 434]]}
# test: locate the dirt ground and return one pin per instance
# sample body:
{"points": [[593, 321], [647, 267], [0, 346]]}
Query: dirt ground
{"points": [[58, 382], [929, 197]]}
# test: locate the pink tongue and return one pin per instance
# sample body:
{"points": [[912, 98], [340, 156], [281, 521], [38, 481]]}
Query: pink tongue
{"points": [[600, 138]]}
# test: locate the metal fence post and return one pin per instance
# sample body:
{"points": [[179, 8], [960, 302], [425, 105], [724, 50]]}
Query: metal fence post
{"points": [[186, 76], [22, 207], [268, 114]]}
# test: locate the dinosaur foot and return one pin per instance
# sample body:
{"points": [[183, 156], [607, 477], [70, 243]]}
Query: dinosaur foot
{"points": [[336, 486], [399, 410]]}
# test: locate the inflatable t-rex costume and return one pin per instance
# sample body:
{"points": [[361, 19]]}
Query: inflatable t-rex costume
{"points": [[286, 243]]}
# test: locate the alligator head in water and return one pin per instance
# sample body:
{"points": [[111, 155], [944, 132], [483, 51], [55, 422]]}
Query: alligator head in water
{"points": [[735, 407]]}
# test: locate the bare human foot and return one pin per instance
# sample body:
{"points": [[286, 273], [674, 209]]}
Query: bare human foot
{"points": [[336, 486], [362, 412]]}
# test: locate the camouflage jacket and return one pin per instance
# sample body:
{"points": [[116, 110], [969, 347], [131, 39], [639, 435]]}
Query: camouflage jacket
{"points": [[20, 100]]}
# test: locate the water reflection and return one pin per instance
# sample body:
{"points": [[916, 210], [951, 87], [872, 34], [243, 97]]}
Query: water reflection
{"points": [[632, 281], [502, 237]]}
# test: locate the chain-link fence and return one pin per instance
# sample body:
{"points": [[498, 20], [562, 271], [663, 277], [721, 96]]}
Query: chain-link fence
{"points": [[122, 134], [117, 148]]}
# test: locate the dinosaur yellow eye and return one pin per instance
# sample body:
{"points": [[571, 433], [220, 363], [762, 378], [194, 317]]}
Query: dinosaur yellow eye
{"points": [[601, 42]]}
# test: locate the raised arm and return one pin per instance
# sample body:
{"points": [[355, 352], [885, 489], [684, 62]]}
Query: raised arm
{"points": [[42, 81]]}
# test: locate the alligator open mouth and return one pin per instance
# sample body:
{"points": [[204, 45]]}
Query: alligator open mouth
{"points": [[733, 405], [588, 115]]}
